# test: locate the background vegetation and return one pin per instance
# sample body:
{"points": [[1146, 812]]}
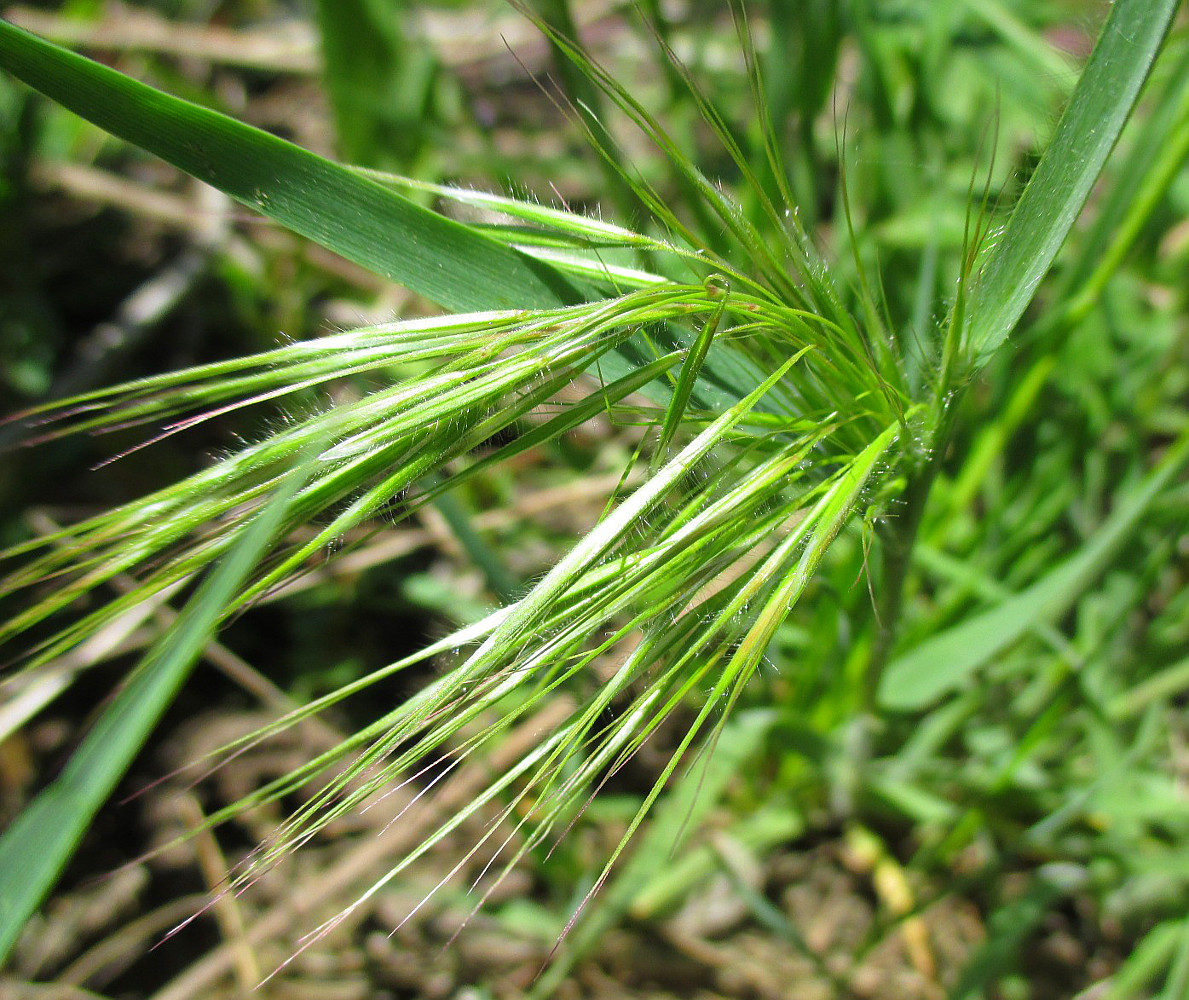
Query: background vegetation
{"points": [[956, 767]]}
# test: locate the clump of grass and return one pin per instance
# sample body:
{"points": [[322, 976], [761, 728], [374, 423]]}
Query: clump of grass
{"points": [[781, 398]]}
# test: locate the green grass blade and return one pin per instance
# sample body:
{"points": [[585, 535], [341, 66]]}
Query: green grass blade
{"points": [[689, 375], [35, 848], [1177, 985], [355, 217], [944, 661], [380, 84], [1147, 960], [1157, 154], [1167, 683], [1030, 45], [1100, 106], [492, 565]]}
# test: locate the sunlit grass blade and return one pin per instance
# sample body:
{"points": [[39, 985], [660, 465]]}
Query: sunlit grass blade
{"points": [[363, 221], [490, 372], [1100, 106], [581, 229], [690, 370], [1139, 182], [34, 849], [1152, 955]]}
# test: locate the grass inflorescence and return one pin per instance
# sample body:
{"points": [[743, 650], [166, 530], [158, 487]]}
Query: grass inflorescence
{"points": [[793, 410]]}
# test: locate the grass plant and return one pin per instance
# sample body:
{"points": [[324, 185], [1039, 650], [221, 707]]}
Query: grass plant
{"points": [[799, 417]]}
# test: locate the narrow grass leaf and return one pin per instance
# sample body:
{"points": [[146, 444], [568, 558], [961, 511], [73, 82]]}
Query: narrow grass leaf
{"points": [[1100, 106], [591, 231], [355, 217], [1159, 150], [688, 376], [1165, 684], [1147, 960], [942, 663], [34, 849]]}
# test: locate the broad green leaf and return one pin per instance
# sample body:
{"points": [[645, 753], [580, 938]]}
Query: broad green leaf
{"points": [[34, 849], [945, 661], [1046, 211], [340, 208], [355, 217]]}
